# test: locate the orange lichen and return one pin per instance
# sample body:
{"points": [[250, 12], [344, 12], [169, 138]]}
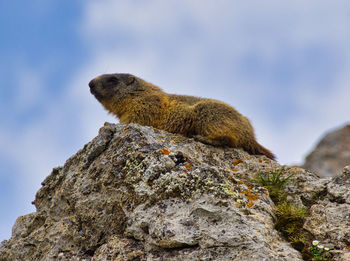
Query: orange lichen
{"points": [[188, 166], [230, 176], [165, 151], [234, 170], [251, 196], [237, 161], [250, 204]]}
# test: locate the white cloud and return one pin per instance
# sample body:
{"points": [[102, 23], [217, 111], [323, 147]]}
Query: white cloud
{"points": [[205, 36], [220, 27], [193, 47]]}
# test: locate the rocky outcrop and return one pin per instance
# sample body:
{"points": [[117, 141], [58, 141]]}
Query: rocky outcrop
{"points": [[137, 193], [331, 154]]}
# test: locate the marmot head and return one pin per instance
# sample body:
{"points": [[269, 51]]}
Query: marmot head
{"points": [[114, 86], [115, 91]]}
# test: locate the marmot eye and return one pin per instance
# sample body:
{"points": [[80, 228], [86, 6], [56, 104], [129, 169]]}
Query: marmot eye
{"points": [[113, 80]]}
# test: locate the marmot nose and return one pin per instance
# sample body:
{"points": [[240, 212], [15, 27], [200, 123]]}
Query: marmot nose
{"points": [[92, 84]]}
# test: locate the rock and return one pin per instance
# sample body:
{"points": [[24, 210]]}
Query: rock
{"points": [[137, 193], [331, 154], [329, 219]]}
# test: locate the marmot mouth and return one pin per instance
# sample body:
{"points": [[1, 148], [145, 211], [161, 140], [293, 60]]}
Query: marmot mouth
{"points": [[96, 94], [92, 91]]}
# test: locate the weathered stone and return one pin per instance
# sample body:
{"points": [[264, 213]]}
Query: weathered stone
{"points": [[329, 220], [331, 154], [137, 193]]}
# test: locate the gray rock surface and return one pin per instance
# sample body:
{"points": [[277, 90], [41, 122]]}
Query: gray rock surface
{"points": [[331, 154], [329, 217], [137, 193]]}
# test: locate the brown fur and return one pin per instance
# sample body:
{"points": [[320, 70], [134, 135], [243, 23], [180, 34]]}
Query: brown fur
{"points": [[132, 99]]}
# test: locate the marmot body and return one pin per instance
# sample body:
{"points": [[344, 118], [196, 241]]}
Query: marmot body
{"points": [[134, 100]]}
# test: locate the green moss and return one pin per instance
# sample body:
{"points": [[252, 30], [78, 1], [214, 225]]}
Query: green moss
{"points": [[290, 218], [273, 179], [290, 221]]}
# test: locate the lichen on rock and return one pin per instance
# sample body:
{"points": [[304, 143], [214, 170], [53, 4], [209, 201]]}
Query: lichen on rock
{"points": [[138, 193]]}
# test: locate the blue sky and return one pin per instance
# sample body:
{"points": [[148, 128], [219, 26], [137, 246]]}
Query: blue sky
{"points": [[283, 64]]}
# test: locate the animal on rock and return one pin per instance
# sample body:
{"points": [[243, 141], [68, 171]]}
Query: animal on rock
{"points": [[134, 100]]}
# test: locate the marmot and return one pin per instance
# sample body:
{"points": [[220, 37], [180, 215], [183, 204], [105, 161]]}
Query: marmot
{"points": [[210, 121]]}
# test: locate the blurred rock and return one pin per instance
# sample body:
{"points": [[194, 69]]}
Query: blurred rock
{"points": [[331, 154], [137, 193]]}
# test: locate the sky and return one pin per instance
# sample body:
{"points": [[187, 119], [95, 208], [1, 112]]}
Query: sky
{"points": [[283, 64]]}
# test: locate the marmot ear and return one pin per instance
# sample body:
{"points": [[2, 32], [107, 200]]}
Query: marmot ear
{"points": [[130, 79]]}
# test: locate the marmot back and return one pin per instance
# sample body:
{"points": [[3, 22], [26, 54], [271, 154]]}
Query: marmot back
{"points": [[134, 100]]}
